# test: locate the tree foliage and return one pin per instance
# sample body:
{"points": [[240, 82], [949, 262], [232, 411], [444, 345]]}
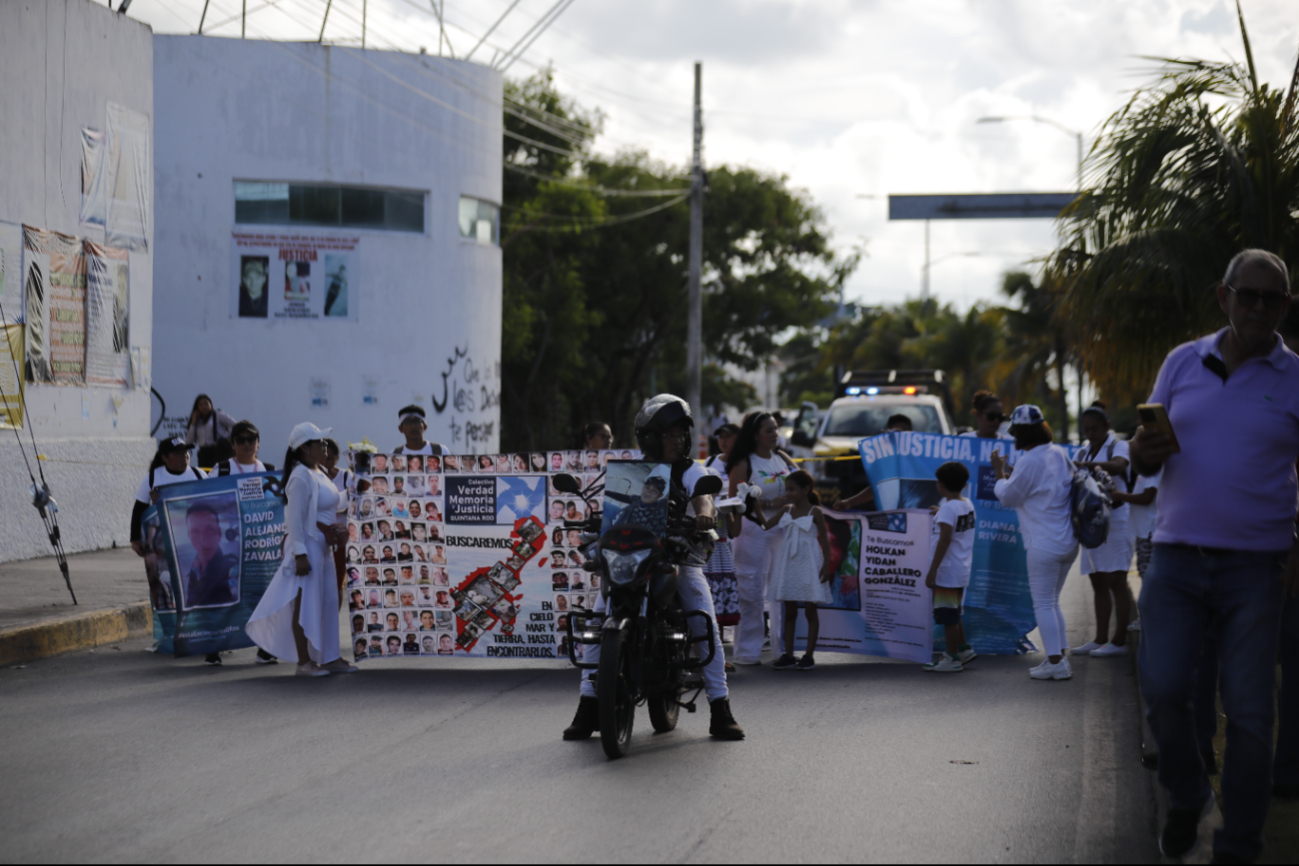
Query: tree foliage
{"points": [[595, 273], [1199, 164]]}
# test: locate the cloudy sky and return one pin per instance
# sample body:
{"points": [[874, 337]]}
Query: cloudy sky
{"points": [[852, 99]]}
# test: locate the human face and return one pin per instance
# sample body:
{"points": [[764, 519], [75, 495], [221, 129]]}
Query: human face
{"points": [[1255, 323], [989, 420], [444, 642], [204, 535], [556, 462], [649, 494], [767, 438], [1095, 430], [556, 511], [676, 442], [725, 442], [204, 407], [392, 622], [601, 439], [413, 429], [313, 452], [176, 461], [246, 445], [254, 279]]}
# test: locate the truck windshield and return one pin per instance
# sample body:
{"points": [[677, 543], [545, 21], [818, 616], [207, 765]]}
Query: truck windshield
{"points": [[869, 419]]}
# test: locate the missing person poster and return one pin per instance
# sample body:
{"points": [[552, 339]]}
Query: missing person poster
{"points": [[54, 289], [879, 604], [212, 547], [293, 276], [467, 555], [998, 610]]}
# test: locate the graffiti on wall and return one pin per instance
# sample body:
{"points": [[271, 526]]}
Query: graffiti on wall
{"points": [[469, 395]]}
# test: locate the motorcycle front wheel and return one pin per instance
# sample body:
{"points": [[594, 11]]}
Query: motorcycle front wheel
{"points": [[614, 690], [664, 709]]}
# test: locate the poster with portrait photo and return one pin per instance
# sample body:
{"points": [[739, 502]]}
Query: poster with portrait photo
{"points": [[294, 276], [219, 543]]}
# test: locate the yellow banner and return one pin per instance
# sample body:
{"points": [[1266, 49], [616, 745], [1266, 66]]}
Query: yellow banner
{"points": [[11, 382]]}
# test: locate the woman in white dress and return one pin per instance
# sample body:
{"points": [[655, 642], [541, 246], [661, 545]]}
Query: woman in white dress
{"points": [[298, 615]]}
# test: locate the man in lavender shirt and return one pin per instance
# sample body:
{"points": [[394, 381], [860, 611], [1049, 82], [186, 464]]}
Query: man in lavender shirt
{"points": [[1224, 551]]}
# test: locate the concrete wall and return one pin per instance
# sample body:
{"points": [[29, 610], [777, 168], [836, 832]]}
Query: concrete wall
{"points": [[232, 110], [61, 62]]}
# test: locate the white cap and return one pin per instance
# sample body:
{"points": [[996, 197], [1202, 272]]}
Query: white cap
{"points": [[306, 432]]}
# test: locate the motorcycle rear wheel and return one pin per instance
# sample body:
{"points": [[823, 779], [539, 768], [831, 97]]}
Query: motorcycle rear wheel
{"points": [[613, 688]]}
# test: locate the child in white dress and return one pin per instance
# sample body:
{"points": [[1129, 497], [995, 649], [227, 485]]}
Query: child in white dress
{"points": [[802, 571]]}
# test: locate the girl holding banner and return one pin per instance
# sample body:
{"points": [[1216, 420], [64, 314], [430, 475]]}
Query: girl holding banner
{"points": [[298, 615], [755, 459]]}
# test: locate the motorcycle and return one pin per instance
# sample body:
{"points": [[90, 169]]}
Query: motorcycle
{"points": [[644, 637]]}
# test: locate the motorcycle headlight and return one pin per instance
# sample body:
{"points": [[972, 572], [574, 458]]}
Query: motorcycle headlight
{"points": [[624, 566]]}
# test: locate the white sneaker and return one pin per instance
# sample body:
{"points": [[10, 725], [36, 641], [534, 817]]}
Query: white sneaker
{"points": [[1086, 649], [945, 665], [967, 656], [1109, 650], [310, 669], [1047, 671]]}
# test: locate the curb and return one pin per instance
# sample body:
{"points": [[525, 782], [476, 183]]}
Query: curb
{"points": [[80, 631]]}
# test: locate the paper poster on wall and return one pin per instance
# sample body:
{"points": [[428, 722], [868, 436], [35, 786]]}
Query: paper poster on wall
{"points": [[11, 382], [11, 271], [107, 319], [293, 276], [54, 286], [128, 179], [94, 205]]}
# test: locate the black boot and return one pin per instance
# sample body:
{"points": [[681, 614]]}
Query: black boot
{"points": [[723, 726], [586, 720]]}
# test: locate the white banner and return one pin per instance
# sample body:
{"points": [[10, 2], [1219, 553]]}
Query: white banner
{"points": [[293, 276]]}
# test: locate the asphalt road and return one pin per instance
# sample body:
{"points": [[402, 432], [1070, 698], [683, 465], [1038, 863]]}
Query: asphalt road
{"points": [[119, 754]]}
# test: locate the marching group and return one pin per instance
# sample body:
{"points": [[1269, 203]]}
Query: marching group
{"points": [[1209, 514]]}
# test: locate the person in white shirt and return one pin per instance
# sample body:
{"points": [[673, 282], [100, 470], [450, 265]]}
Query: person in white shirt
{"points": [[1108, 565], [247, 440], [950, 563], [208, 429], [412, 425], [1039, 491], [298, 615]]}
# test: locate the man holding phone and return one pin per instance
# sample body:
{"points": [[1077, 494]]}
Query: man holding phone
{"points": [[1224, 550]]}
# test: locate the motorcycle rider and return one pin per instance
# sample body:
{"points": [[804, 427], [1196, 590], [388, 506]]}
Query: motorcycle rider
{"points": [[663, 431]]}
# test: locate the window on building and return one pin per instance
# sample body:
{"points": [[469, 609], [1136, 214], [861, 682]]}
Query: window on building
{"points": [[328, 206], [480, 221]]}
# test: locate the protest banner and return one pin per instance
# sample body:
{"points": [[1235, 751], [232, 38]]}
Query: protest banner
{"points": [[998, 610], [293, 276], [212, 547], [467, 555], [880, 605], [107, 316], [11, 380]]}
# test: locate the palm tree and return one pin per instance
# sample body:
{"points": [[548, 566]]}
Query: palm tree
{"points": [[1036, 346], [1199, 164]]}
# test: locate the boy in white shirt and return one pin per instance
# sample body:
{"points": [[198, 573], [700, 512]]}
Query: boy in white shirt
{"points": [[950, 564]]}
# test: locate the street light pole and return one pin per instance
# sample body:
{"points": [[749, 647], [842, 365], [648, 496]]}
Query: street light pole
{"points": [[695, 312], [1078, 136]]}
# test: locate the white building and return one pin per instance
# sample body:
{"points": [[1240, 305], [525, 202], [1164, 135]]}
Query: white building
{"points": [[296, 177], [78, 87]]}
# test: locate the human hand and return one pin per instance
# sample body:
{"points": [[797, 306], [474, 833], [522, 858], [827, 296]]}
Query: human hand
{"points": [[1151, 447], [138, 547], [932, 580], [303, 565], [705, 522], [933, 509], [839, 505], [998, 464], [826, 573]]}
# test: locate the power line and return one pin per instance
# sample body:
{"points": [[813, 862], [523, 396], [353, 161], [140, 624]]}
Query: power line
{"points": [[596, 188]]}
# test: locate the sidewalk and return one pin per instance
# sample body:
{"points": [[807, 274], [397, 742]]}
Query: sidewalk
{"points": [[38, 618]]}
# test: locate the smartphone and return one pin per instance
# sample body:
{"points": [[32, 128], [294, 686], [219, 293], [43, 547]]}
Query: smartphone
{"points": [[1156, 416]]}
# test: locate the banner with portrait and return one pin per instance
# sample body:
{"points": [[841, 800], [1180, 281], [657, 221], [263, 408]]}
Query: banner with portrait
{"points": [[998, 610], [467, 555], [294, 276], [212, 547], [879, 604]]}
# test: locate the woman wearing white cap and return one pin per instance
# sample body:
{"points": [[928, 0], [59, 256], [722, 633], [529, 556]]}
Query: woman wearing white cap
{"points": [[1039, 493], [298, 615]]}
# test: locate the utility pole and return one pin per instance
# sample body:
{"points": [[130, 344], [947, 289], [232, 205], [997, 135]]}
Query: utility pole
{"points": [[365, 4], [243, 21], [695, 320], [924, 283]]}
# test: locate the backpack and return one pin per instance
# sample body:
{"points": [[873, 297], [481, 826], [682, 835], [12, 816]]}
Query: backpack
{"points": [[1089, 504]]}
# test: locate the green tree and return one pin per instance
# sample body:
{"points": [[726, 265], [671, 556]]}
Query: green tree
{"points": [[1199, 164], [595, 277], [1036, 349]]}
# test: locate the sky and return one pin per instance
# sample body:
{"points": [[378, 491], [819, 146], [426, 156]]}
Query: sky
{"points": [[850, 99]]}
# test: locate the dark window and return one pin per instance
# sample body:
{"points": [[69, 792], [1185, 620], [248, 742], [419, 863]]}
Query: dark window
{"points": [[328, 206]]}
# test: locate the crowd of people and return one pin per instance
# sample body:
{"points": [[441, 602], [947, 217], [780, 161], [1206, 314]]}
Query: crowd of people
{"points": [[1208, 511]]}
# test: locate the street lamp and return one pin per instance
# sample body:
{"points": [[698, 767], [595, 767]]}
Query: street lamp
{"points": [[1078, 136]]}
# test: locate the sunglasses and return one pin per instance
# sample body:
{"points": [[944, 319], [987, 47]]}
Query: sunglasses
{"points": [[245, 440], [995, 416], [1250, 298]]}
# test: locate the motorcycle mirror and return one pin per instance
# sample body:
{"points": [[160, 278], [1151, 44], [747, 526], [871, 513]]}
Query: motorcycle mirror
{"points": [[709, 485], [566, 483]]}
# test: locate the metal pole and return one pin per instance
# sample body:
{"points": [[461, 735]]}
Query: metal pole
{"points": [[1080, 162], [924, 282], [365, 6], [325, 21], [243, 21], [695, 321], [203, 17]]}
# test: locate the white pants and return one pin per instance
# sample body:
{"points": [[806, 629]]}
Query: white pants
{"points": [[695, 595], [1046, 574], [755, 552]]}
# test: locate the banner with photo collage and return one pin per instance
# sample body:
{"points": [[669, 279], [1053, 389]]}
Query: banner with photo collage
{"points": [[467, 555], [211, 549]]}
